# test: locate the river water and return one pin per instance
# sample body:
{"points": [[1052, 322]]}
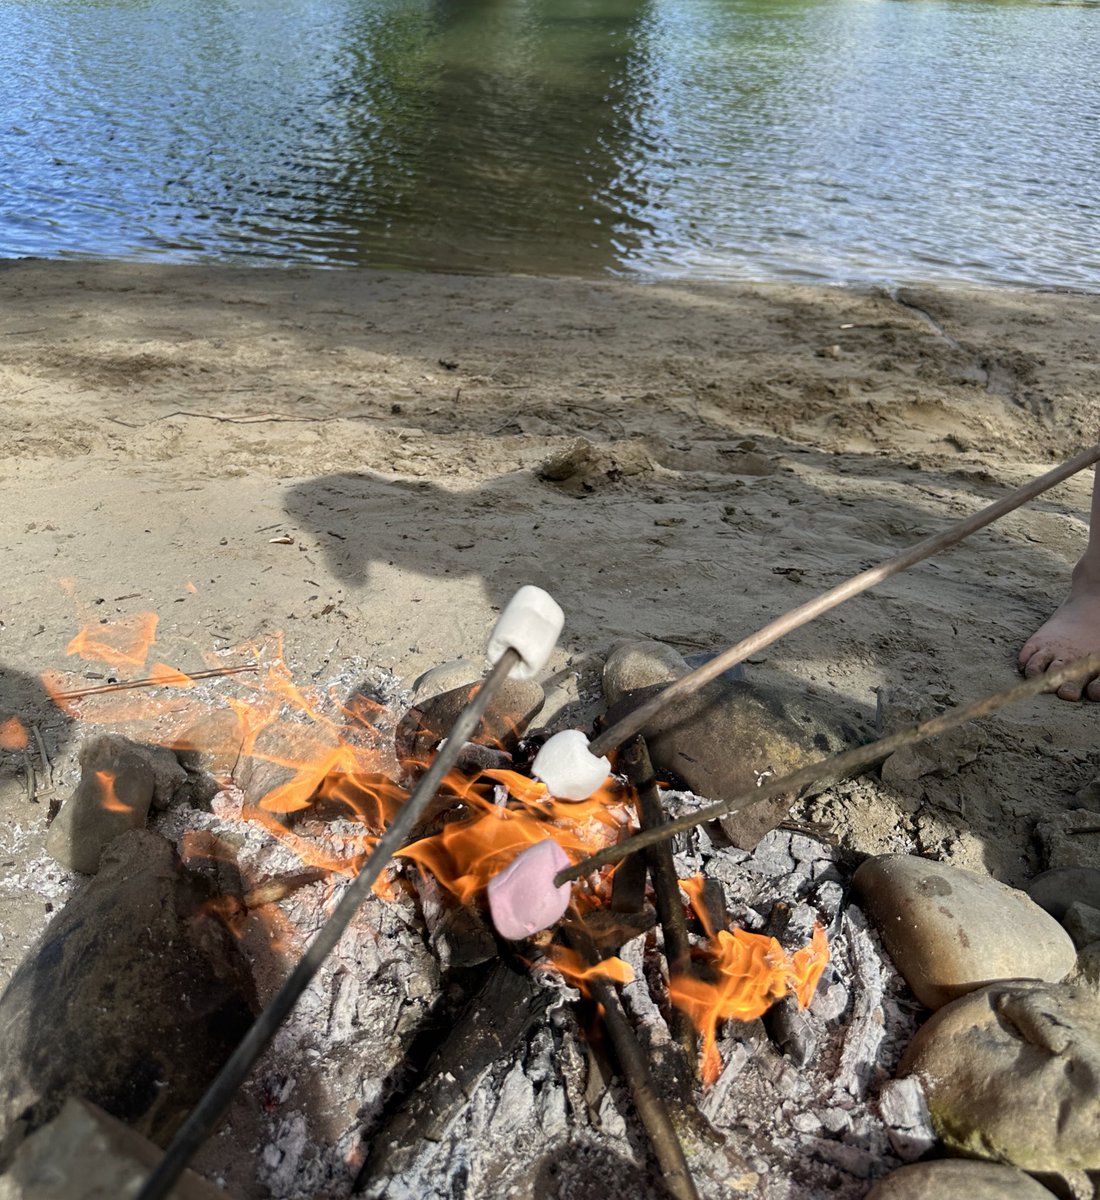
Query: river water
{"points": [[838, 140]]}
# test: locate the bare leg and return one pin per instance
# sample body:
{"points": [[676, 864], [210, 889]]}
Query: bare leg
{"points": [[1074, 630]]}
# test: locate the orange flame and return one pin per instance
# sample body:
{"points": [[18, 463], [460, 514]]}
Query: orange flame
{"points": [[324, 755], [569, 964], [466, 853], [13, 735], [108, 796], [751, 972], [125, 642]]}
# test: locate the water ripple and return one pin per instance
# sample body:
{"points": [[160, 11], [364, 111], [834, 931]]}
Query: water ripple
{"points": [[815, 139]]}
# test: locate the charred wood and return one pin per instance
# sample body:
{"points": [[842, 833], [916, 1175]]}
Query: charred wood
{"points": [[489, 1030]]}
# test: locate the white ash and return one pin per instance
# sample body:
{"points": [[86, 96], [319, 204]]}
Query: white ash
{"points": [[544, 1115]]}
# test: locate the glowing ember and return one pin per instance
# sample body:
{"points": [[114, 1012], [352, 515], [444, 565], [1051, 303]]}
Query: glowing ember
{"points": [[747, 973]]}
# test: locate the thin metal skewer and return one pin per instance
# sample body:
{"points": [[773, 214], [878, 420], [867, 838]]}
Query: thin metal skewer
{"points": [[636, 721], [838, 767], [211, 1107]]}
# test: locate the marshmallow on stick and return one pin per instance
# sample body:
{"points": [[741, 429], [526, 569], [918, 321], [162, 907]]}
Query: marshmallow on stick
{"points": [[567, 767], [523, 898]]}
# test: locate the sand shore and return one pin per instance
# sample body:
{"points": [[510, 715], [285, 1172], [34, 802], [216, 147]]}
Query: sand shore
{"points": [[734, 450]]}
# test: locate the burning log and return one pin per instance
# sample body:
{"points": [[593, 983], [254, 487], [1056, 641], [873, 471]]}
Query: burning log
{"points": [[670, 909], [652, 1110]]}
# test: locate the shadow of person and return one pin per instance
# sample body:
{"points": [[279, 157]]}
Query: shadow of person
{"points": [[363, 521]]}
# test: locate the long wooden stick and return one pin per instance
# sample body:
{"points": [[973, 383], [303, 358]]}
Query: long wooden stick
{"points": [[650, 1105], [636, 721], [848, 763], [206, 1114]]}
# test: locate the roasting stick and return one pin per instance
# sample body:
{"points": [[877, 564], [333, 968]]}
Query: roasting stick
{"points": [[522, 641], [842, 765], [634, 722]]}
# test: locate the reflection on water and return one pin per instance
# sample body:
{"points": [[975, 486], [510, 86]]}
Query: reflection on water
{"points": [[834, 139]]}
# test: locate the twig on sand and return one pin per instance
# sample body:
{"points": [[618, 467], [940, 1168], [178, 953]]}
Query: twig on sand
{"points": [[245, 418], [849, 763], [126, 684], [47, 766]]}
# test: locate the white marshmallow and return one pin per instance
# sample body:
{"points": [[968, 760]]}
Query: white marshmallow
{"points": [[569, 771], [529, 624]]}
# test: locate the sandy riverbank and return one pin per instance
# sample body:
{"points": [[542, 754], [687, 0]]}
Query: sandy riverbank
{"points": [[748, 447]]}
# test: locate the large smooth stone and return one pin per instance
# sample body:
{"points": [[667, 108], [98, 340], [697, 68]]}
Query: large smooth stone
{"points": [[133, 998], [950, 931], [511, 709], [725, 738], [85, 1154], [958, 1179], [1010, 1073]]}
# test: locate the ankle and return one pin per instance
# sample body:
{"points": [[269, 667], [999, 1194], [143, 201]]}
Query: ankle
{"points": [[1086, 576]]}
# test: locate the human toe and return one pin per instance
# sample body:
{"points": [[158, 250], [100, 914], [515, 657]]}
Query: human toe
{"points": [[1037, 662], [1072, 689], [1093, 689]]}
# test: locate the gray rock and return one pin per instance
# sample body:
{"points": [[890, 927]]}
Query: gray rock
{"points": [[85, 1154], [510, 711], [1057, 889], [727, 737], [1071, 838], [957, 1179], [445, 678], [113, 796], [632, 665], [904, 1112], [1088, 965], [133, 997], [900, 707], [951, 931], [1010, 1074], [1082, 923], [643, 663]]}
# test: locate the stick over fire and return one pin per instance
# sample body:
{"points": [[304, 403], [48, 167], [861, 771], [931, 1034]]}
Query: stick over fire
{"points": [[838, 767], [522, 641]]}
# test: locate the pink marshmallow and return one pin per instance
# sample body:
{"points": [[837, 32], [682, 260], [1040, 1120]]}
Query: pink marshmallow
{"points": [[523, 898]]}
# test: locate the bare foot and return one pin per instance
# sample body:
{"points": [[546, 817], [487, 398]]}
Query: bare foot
{"points": [[1072, 632]]}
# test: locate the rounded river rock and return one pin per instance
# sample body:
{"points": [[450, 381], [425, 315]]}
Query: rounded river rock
{"points": [[133, 997], [950, 931], [1010, 1073], [958, 1179], [726, 738]]}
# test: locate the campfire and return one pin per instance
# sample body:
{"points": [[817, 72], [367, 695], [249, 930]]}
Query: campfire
{"points": [[567, 980], [306, 781]]}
